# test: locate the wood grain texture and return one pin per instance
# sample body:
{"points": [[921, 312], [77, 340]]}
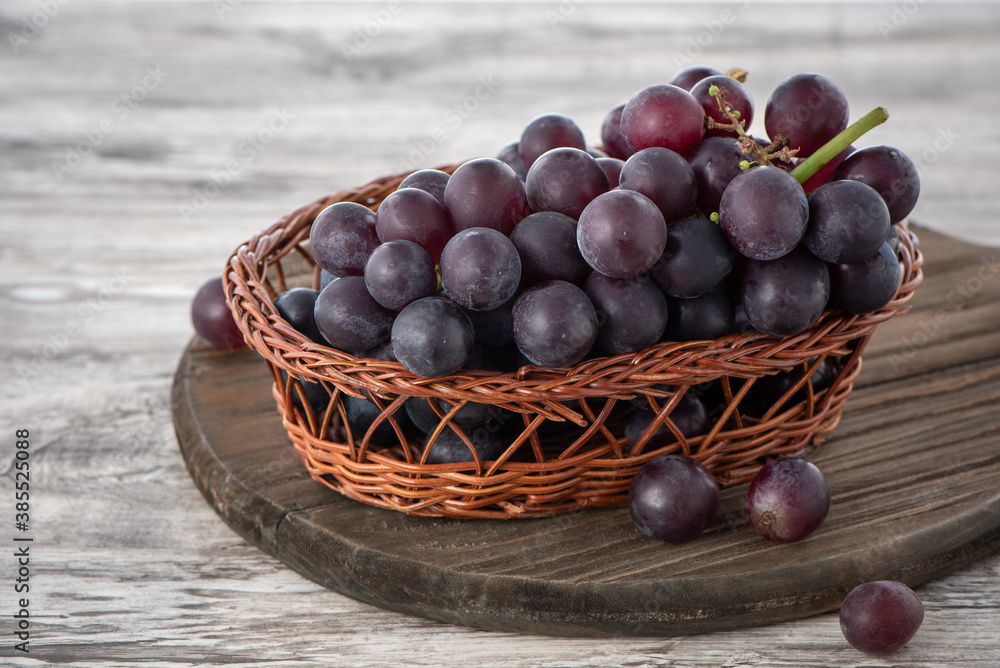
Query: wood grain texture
{"points": [[133, 567], [913, 499]]}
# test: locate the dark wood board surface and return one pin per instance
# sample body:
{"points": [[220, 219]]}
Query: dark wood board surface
{"points": [[914, 468]]}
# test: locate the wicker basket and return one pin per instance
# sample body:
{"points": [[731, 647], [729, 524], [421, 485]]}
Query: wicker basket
{"points": [[564, 432]]}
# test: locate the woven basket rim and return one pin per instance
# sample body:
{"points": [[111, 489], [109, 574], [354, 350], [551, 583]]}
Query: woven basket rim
{"points": [[592, 471]]}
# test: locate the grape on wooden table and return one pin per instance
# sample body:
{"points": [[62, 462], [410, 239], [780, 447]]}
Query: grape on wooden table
{"points": [[673, 498], [881, 616], [212, 319], [788, 499]]}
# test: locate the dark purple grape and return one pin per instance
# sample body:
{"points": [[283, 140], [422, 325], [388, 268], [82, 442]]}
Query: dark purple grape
{"points": [[673, 498], [431, 181], [689, 76], [325, 278], [494, 328], [414, 215], [564, 180], [361, 415], [212, 319], [421, 414], [664, 177], [555, 324], [621, 233], [697, 258], [611, 135], [893, 239], [664, 116], [824, 375], [716, 162], [866, 286], [432, 337], [382, 351], [399, 272], [472, 414], [890, 172], [785, 296], [740, 323], [765, 392], [480, 269], [881, 616], [768, 390], [485, 193], [848, 222], [297, 306], [787, 500], [809, 109], [511, 156], [546, 242], [349, 318], [712, 394], [342, 237], [546, 132], [316, 395], [449, 448], [631, 312], [612, 169], [825, 173], [764, 213], [736, 95], [705, 317], [492, 358], [689, 416]]}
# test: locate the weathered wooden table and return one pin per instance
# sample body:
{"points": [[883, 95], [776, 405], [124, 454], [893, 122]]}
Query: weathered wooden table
{"points": [[141, 142]]}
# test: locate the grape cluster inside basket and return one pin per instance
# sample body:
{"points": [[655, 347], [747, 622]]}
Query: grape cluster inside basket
{"points": [[562, 428]]}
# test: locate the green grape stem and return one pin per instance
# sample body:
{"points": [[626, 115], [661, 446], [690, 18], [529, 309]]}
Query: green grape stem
{"points": [[832, 148]]}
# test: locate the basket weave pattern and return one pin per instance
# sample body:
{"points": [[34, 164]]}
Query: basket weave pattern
{"points": [[562, 428]]}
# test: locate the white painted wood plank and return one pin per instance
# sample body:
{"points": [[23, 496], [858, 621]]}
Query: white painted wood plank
{"points": [[132, 567]]}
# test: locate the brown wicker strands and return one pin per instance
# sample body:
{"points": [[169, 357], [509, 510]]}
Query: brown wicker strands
{"points": [[562, 428]]}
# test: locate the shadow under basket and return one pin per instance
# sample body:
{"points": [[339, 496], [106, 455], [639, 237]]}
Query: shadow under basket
{"points": [[562, 429]]}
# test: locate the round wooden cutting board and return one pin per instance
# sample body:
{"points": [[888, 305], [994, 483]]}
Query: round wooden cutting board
{"points": [[914, 468]]}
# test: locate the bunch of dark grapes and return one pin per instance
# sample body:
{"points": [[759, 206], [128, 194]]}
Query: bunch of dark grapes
{"points": [[684, 227]]}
